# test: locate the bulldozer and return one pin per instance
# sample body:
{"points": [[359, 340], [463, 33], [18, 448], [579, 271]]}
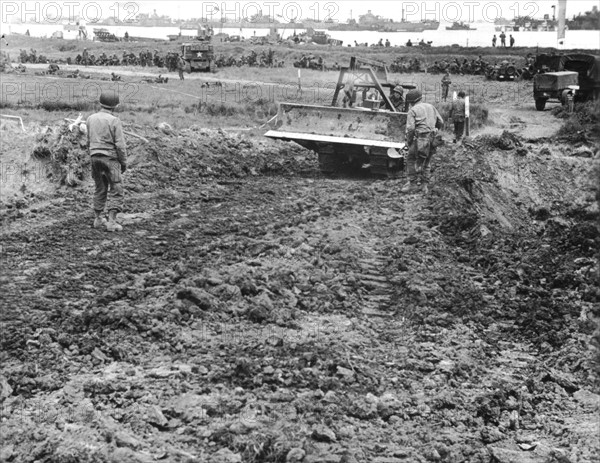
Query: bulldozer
{"points": [[361, 130]]}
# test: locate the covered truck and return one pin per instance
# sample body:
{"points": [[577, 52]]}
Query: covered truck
{"points": [[586, 66], [552, 86]]}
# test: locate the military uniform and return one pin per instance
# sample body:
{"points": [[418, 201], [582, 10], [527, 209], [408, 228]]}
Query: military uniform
{"points": [[423, 121], [180, 67], [457, 113], [106, 145], [445, 86]]}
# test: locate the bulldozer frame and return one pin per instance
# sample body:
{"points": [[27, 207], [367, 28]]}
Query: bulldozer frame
{"points": [[365, 134]]}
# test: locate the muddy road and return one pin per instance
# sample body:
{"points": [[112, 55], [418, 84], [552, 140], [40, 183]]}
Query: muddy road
{"points": [[253, 310]]}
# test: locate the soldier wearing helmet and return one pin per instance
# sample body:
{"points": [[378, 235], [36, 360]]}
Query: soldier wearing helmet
{"points": [[106, 146], [422, 123], [397, 98]]}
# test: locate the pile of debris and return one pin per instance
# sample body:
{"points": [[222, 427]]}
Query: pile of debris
{"points": [[171, 157]]}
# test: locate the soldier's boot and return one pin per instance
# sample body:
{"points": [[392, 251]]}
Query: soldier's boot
{"points": [[409, 187], [112, 225], [100, 222]]}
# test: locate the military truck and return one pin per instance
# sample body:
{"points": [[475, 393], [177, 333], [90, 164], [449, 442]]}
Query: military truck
{"points": [[199, 57], [586, 66], [364, 131], [553, 86]]}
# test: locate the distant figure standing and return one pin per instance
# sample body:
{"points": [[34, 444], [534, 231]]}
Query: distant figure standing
{"points": [[503, 39], [457, 113], [26, 33], [126, 36], [387, 42], [180, 66], [494, 40], [446, 85], [409, 43], [512, 41]]}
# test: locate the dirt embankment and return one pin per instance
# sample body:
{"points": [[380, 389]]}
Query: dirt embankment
{"points": [[255, 311]]}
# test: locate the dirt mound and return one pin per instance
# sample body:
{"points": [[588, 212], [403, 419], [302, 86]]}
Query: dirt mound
{"points": [[512, 216], [171, 156]]}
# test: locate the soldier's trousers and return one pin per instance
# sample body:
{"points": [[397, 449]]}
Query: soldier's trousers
{"points": [[459, 128], [106, 173], [445, 89], [180, 74], [418, 160]]}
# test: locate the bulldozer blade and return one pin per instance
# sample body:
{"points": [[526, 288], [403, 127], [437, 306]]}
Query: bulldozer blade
{"points": [[345, 126]]}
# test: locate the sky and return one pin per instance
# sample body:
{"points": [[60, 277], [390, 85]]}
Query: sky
{"points": [[339, 11], [415, 10]]}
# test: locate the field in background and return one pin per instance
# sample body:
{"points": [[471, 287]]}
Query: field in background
{"points": [[57, 49]]}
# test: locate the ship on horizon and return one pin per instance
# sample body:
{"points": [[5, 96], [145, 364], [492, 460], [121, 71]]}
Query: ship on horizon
{"points": [[371, 22], [460, 26]]}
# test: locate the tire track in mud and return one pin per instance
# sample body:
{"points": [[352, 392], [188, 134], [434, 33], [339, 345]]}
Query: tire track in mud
{"points": [[364, 342]]}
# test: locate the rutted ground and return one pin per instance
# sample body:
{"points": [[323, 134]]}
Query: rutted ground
{"points": [[253, 310]]}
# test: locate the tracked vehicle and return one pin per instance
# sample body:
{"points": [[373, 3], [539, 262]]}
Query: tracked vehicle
{"points": [[199, 56], [362, 129]]}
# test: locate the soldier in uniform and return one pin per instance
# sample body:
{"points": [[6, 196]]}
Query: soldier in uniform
{"points": [[397, 98], [422, 123], [85, 57], [457, 114], [180, 66], [445, 85]]}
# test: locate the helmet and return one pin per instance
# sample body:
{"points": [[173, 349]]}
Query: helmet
{"points": [[414, 96], [398, 89], [109, 99]]}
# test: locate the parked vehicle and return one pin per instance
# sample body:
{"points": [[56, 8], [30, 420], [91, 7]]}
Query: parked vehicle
{"points": [[199, 56], [552, 86]]}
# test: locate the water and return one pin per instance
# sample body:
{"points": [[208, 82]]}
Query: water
{"points": [[482, 37]]}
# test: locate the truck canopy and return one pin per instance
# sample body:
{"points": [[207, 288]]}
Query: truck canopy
{"points": [[554, 81], [587, 66]]}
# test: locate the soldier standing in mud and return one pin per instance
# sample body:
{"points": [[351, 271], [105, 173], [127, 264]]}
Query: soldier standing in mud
{"points": [[457, 114], [422, 123], [446, 86], [106, 146], [85, 57]]}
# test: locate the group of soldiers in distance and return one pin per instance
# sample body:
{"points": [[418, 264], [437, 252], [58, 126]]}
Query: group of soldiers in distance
{"points": [[477, 66], [266, 58]]}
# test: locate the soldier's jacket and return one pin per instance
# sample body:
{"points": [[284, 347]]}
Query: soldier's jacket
{"points": [[105, 136], [457, 112], [422, 118]]}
